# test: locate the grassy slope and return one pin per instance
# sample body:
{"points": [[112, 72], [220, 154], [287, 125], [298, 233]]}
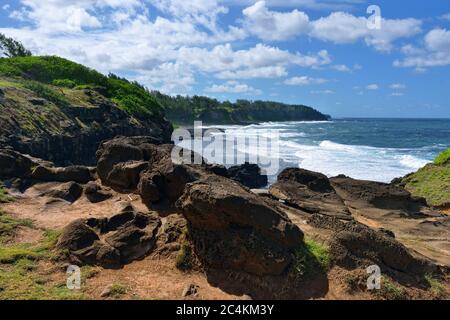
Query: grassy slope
{"points": [[432, 182], [20, 277], [46, 76]]}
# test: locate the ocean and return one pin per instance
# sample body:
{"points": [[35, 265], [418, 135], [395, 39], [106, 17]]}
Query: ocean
{"points": [[369, 149]]}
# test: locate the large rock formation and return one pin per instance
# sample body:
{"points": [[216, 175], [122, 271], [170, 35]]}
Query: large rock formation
{"points": [[233, 228], [249, 175], [309, 191], [356, 245], [70, 191], [80, 174], [70, 134], [14, 164], [360, 194], [110, 242], [122, 160]]}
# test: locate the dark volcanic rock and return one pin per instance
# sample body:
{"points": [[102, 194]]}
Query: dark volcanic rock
{"points": [[313, 180], [68, 135], [248, 175], [80, 174], [233, 228], [128, 236], [70, 191], [95, 194], [122, 160], [126, 175], [356, 245], [359, 193], [14, 164], [309, 191], [170, 181]]}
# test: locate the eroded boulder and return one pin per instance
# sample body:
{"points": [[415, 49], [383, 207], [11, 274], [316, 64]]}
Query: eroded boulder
{"points": [[356, 245], [360, 194], [70, 191], [249, 175], [80, 174], [121, 161], [95, 194], [235, 229], [110, 242], [309, 191], [14, 164]]}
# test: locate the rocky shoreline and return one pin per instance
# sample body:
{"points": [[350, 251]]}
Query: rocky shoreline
{"points": [[208, 219]]}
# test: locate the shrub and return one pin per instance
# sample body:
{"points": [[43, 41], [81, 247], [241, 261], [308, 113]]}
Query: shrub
{"points": [[4, 197], [310, 259], [391, 291], [66, 83], [118, 289], [184, 258], [45, 92], [436, 287]]}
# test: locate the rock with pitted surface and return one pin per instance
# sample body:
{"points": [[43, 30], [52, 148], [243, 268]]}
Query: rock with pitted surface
{"points": [[166, 181], [14, 164], [95, 194], [233, 228], [356, 245], [309, 191], [249, 175], [360, 194], [110, 242], [70, 191], [121, 161], [80, 174]]}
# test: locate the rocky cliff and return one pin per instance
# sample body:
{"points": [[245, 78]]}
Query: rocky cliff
{"points": [[64, 120]]}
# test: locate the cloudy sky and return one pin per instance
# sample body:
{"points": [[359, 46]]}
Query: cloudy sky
{"points": [[329, 54]]}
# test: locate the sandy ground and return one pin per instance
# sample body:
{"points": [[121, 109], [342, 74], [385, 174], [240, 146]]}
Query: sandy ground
{"points": [[156, 276]]}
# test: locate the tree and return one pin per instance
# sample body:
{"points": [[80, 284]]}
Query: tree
{"points": [[12, 48]]}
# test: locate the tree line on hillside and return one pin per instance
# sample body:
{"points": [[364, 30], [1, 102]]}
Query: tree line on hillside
{"points": [[185, 109], [135, 98]]}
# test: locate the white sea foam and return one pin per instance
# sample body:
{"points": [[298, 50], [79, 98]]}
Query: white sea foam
{"points": [[298, 148]]}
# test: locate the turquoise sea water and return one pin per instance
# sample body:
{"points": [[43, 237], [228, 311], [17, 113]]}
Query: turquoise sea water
{"points": [[372, 149]]}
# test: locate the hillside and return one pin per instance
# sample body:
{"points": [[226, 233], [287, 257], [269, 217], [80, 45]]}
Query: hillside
{"points": [[432, 181], [184, 110], [60, 110]]}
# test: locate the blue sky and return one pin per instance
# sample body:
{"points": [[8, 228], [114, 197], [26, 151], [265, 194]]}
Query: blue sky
{"points": [[327, 54]]}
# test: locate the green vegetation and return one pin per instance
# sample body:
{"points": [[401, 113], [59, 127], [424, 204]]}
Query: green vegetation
{"points": [[390, 291], [432, 182], [10, 253], [436, 287], [47, 93], [181, 110], [4, 197], [8, 226], [12, 48], [19, 274], [310, 259], [54, 71], [66, 83], [443, 158], [117, 289], [48, 75], [184, 258]]}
